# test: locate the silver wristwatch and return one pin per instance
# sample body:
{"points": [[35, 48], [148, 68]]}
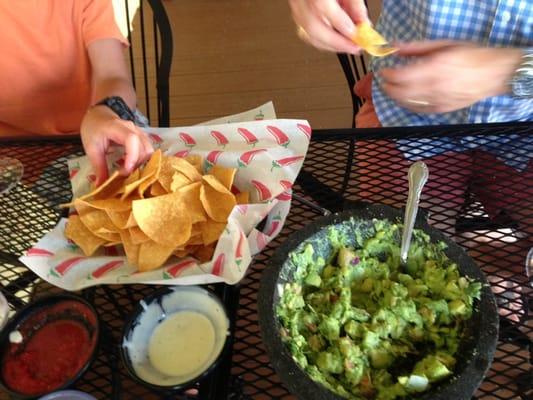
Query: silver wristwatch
{"points": [[522, 80]]}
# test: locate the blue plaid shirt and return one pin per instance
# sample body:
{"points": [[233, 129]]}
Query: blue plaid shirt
{"points": [[493, 23]]}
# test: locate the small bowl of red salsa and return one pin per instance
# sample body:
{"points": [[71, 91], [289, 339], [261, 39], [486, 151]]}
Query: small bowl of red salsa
{"points": [[47, 346]]}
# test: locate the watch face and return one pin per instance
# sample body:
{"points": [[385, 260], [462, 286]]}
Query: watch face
{"points": [[522, 85], [522, 82]]}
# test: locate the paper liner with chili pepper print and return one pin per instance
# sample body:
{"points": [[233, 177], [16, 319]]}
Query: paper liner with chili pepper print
{"points": [[268, 155]]}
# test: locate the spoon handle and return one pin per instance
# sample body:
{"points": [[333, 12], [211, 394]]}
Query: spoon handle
{"points": [[418, 176]]}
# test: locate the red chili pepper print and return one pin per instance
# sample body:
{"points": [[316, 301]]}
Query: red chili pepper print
{"points": [[261, 241], [74, 171], [246, 158], [238, 252], [284, 196], [263, 192], [36, 252], [106, 268], [305, 129], [187, 139], [281, 138], [248, 136], [286, 184], [176, 270], [62, 268], [284, 162], [155, 139], [182, 153], [276, 223], [212, 159], [218, 265], [220, 138]]}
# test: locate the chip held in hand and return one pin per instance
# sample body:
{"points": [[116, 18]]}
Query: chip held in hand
{"points": [[371, 41], [168, 207]]}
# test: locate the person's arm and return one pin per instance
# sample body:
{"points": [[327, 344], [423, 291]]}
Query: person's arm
{"points": [[101, 126], [329, 24], [449, 75]]}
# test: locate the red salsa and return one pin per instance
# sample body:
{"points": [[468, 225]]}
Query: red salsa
{"points": [[54, 352]]}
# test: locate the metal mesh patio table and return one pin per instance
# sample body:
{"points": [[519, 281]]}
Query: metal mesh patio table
{"points": [[339, 165]]}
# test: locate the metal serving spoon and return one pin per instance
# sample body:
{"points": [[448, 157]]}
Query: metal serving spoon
{"points": [[418, 176]]}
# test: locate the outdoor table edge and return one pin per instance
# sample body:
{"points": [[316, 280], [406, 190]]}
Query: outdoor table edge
{"points": [[503, 128], [334, 133]]}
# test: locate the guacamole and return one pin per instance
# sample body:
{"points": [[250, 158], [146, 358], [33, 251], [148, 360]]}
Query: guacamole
{"points": [[366, 326]]}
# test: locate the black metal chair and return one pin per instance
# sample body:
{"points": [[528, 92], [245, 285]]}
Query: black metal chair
{"points": [[150, 37], [354, 68]]}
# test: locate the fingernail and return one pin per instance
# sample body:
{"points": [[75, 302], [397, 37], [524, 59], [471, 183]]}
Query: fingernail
{"points": [[350, 28]]}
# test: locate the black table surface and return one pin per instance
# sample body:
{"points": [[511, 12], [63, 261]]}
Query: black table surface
{"points": [[330, 179]]}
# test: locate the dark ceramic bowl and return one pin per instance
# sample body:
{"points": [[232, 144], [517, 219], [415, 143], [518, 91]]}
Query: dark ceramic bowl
{"points": [[36, 315], [476, 349], [151, 311], [68, 395]]}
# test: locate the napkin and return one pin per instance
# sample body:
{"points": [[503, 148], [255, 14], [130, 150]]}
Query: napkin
{"points": [[268, 153]]}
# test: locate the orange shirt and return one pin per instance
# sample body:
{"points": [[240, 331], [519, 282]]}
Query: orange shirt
{"points": [[45, 72]]}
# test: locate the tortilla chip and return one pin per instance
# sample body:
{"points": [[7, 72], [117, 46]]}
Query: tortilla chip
{"points": [[150, 172], [131, 249], [196, 161], [164, 219], [158, 190], [371, 41], [93, 218], [190, 195], [184, 213], [119, 218], [242, 198], [152, 255], [113, 204], [216, 199], [76, 231], [224, 175], [137, 236], [104, 184], [211, 231], [205, 253], [178, 181], [187, 169]]}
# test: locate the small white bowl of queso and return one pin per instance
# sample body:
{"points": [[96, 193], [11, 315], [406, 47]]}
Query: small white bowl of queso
{"points": [[175, 337]]}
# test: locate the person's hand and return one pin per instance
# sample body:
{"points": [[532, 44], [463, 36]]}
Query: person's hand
{"points": [[329, 24], [100, 128], [448, 76]]}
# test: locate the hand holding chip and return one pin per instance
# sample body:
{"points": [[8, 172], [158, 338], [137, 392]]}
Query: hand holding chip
{"points": [[100, 128], [329, 24]]}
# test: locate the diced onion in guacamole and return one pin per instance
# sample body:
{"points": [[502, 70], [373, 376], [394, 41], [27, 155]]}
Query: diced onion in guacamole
{"points": [[366, 327]]}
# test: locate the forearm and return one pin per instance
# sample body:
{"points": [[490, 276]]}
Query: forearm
{"points": [[118, 86]]}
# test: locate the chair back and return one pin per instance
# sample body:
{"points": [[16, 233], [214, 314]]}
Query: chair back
{"points": [[149, 32], [354, 68]]}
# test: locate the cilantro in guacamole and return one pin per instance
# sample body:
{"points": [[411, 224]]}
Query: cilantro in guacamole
{"points": [[363, 325]]}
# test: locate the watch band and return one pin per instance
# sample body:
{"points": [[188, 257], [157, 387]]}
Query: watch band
{"points": [[522, 80], [118, 106]]}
